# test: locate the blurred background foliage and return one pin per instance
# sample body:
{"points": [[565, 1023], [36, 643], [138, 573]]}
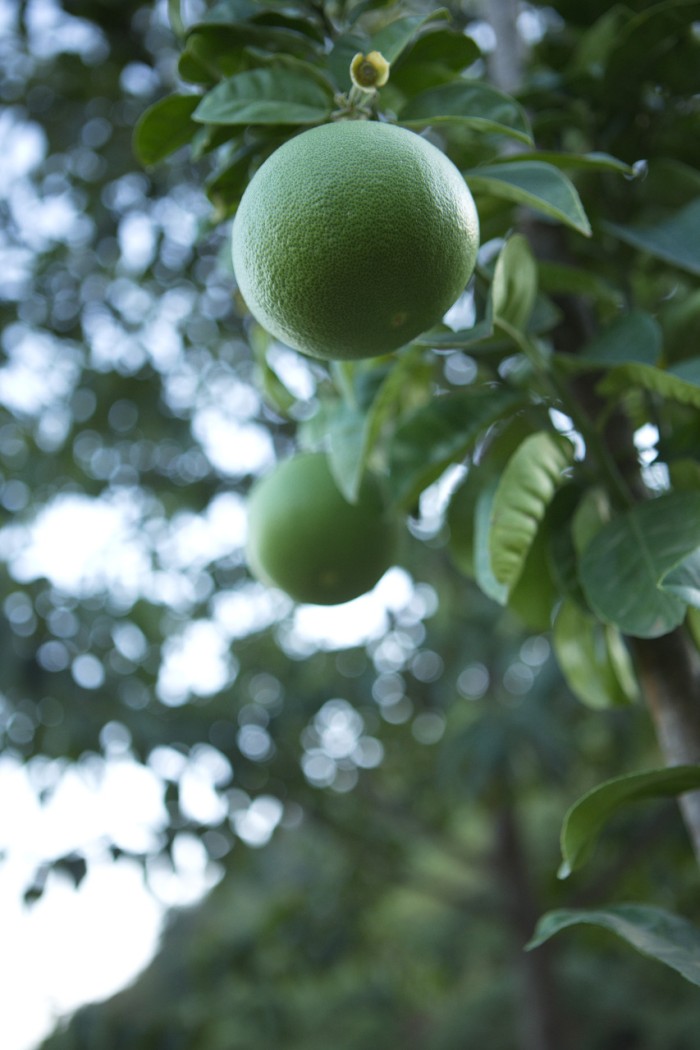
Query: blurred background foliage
{"points": [[380, 809]]}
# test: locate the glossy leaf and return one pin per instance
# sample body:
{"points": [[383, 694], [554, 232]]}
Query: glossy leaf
{"points": [[684, 580], [282, 35], [579, 161], [652, 931], [514, 286], [621, 569], [536, 185], [674, 240], [441, 433], [525, 489], [440, 47], [588, 816], [468, 103], [266, 96], [592, 658], [165, 127], [395, 37]]}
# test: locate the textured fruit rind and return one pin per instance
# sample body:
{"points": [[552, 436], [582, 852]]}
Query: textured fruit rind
{"points": [[353, 238], [307, 540]]}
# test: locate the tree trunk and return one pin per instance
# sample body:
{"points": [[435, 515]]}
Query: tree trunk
{"points": [[540, 1024], [669, 674]]}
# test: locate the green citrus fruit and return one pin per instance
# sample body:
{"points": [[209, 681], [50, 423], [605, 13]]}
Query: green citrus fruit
{"points": [[353, 238], [305, 538]]}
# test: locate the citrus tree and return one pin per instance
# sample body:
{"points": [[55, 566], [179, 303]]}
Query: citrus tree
{"points": [[529, 460], [565, 383]]}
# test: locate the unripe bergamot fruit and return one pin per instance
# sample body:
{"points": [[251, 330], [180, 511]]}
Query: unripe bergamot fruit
{"points": [[353, 238], [307, 540]]}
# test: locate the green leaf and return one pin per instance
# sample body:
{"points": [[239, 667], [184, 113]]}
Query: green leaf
{"points": [[524, 491], [595, 45], [444, 338], [441, 433], [585, 820], [165, 127], [533, 596], [652, 931], [635, 337], [227, 185], [622, 567], [592, 658], [266, 96], [674, 240], [670, 383], [684, 580], [347, 448], [654, 40], [469, 103], [175, 18], [269, 31], [276, 393], [443, 47], [536, 185], [395, 37], [581, 161], [483, 568], [352, 426], [514, 287]]}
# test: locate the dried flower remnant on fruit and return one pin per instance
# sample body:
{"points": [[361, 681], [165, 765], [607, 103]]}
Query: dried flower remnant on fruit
{"points": [[369, 71]]}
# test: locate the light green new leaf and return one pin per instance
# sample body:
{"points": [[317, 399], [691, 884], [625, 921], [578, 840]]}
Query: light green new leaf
{"points": [[514, 287], [483, 568], [593, 659], [622, 567], [536, 185], [532, 476], [395, 37], [470, 103], [588, 816], [266, 96], [652, 931], [682, 383], [674, 240], [165, 127], [684, 580], [441, 433]]}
